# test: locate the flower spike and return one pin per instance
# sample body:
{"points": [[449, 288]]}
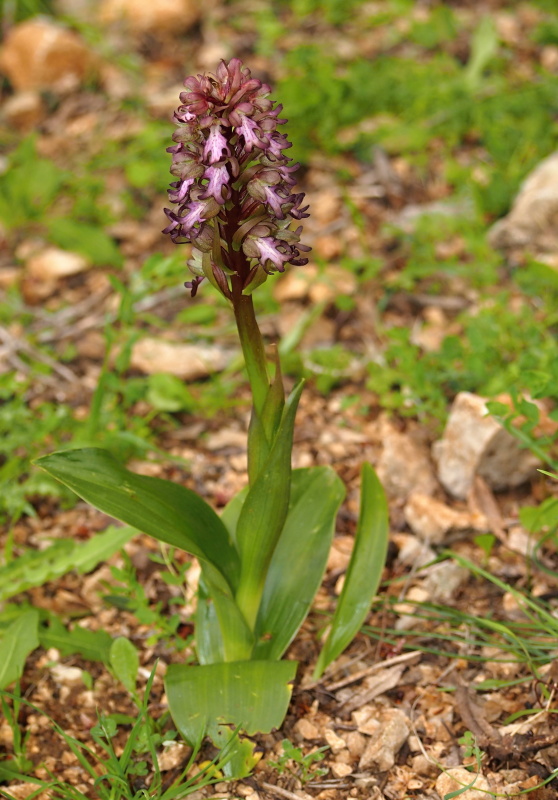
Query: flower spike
{"points": [[233, 176]]}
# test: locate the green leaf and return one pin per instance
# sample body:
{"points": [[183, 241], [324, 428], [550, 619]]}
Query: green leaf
{"points": [[299, 560], [166, 392], [124, 661], [264, 512], [18, 640], [364, 570], [237, 638], [89, 240], [92, 645], [210, 648], [209, 700], [231, 512], [264, 425], [484, 46], [101, 546], [169, 512], [36, 567]]}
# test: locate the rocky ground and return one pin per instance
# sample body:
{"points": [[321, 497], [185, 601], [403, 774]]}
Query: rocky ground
{"points": [[427, 700]]}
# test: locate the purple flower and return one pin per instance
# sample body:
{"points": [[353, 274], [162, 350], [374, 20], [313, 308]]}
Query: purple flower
{"points": [[218, 186], [234, 182], [215, 145]]}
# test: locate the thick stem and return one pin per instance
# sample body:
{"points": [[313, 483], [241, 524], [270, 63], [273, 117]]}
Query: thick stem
{"points": [[252, 348]]}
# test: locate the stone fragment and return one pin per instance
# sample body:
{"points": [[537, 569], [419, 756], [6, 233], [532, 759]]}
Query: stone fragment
{"points": [[533, 220], [173, 756], [340, 770], [156, 16], [186, 361], [52, 263], [366, 719], [432, 520], [384, 745], [421, 765], [443, 580], [340, 553], [335, 742], [356, 742], [475, 443], [20, 791], [67, 676], [317, 286], [24, 110], [404, 465], [456, 778], [412, 552], [307, 729], [40, 53]]}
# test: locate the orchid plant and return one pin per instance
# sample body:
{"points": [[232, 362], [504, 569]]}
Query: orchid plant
{"points": [[262, 560]]}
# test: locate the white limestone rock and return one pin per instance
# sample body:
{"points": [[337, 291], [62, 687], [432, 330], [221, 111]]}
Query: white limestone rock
{"points": [[475, 443]]}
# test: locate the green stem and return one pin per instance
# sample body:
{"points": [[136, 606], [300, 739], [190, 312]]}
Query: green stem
{"points": [[253, 349]]}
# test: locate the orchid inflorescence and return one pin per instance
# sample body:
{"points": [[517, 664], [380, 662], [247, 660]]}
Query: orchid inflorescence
{"points": [[234, 182]]}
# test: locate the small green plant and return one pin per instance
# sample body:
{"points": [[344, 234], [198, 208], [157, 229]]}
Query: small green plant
{"points": [[18, 762], [127, 593], [301, 766], [263, 560], [114, 776]]}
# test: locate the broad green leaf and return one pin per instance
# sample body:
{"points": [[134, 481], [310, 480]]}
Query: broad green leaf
{"points": [[18, 640], [210, 647], [251, 695], [238, 755], [264, 512], [231, 512], [92, 645], [165, 510], [36, 567], [299, 560], [264, 425], [166, 392], [89, 240], [101, 546], [237, 638], [364, 570], [484, 46], [124, 661]]}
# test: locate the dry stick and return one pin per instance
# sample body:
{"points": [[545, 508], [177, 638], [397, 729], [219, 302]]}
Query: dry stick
{"points": [[23, 346], [269, 787], [363, 673], [68, 316]]}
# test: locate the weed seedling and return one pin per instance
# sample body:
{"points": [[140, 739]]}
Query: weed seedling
{"points": [[302, 766]]}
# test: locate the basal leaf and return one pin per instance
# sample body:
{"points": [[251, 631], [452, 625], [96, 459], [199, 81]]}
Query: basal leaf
{"points": [[299, 560], [89, 240], [36, 567], [124, 661], [236, 636], [364, 570], [231, 513], [165, 510], [264, 512], [217, 699], [17, 641], [92, 645]]}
